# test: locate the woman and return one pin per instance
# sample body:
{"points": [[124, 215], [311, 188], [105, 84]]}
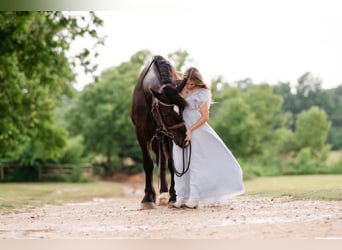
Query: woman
{"points": [[214, 173]]}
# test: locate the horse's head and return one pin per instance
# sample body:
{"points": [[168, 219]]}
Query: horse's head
{"points": [[167, 109]]}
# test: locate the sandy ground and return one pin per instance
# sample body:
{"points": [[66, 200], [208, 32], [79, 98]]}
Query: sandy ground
{"points": [[244, 217]]}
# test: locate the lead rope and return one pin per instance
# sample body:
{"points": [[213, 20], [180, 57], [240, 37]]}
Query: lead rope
{"points": [[184, 169]]}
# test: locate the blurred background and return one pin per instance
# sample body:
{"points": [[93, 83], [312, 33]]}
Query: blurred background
{"points": [[66, 82]]}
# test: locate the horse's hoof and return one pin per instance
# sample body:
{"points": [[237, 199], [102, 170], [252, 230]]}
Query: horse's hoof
{"points": [[171, 204], [163, 199], [147, 205]]}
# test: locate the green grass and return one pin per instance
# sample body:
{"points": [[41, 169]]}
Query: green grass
{"points": [[323, 187], [19, 195]]}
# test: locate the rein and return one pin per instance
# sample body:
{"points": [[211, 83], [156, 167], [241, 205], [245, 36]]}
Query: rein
{"points": [[184, 169], [162, 131]]}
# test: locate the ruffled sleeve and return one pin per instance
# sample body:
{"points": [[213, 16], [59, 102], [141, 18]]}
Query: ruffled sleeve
{"points": [[204, 96]]}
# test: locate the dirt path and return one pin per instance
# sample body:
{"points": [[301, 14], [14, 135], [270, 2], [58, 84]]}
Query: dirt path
{"points": [[246, 217]]}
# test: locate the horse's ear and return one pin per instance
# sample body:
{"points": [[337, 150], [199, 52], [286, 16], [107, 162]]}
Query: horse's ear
{"points": [[156, 94]]}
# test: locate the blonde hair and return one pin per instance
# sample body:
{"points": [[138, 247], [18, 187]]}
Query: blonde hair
{"points": [[193, 74]]}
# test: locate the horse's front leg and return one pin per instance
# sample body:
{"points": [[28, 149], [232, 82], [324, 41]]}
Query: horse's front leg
{"points": [[170, 198], [172, 190], [163, 190], [150, 195]]}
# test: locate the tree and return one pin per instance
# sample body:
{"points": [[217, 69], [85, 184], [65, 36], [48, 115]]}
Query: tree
{"points": [[266, 106], [309, 94], [35, 72], [248, 119], [244, 84], [290, 100], [312, 127], [308, 84], [237, 126]]}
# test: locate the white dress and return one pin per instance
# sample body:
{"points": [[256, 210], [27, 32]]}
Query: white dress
{"points": [[214, 174]]}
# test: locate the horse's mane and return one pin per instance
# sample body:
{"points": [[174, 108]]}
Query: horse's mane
{"points": [[172, 94], [164, 69]]}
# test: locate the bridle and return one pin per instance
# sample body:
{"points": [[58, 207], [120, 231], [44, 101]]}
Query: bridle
{"points": [[163, 131], [161, 126]]}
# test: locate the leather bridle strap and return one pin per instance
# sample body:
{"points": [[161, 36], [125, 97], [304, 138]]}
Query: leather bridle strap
{"points": [[177, 125], [155, 106]]}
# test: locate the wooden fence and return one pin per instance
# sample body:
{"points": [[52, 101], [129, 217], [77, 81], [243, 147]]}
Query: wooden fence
{"points": [[51, 170]]}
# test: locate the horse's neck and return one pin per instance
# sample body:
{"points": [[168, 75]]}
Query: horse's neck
{"points": [[151, 81]]}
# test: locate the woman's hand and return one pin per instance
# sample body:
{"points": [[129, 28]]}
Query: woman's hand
{"points": [[188, 135], [204, 110]]}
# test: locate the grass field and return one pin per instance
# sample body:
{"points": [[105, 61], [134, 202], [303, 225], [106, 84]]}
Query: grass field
{"points": [[17, 195], [324, 187]]}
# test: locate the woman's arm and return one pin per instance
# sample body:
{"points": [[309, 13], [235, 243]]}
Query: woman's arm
{"points": [[204, 110]]}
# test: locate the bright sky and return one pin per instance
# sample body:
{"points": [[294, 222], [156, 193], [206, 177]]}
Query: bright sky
{"points": [[265, 40]]}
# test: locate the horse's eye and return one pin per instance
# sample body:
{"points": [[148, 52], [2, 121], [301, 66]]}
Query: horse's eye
{"points": [[176, 109]]}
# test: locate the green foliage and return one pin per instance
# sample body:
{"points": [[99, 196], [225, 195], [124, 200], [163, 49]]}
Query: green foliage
{"points": [[308, 94], [266, 108], [276, 166], [324, 154], [236, 125], [335, 137], [312, 128], [284, 141], [251, 122], [254, 168], [48, 142], [76, 175], [73, 152], [35, 72], [248, 121], [304, 155], [220, 95]]}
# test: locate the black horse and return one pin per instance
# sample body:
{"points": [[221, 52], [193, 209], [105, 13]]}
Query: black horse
{"points": [[156, 113]]}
